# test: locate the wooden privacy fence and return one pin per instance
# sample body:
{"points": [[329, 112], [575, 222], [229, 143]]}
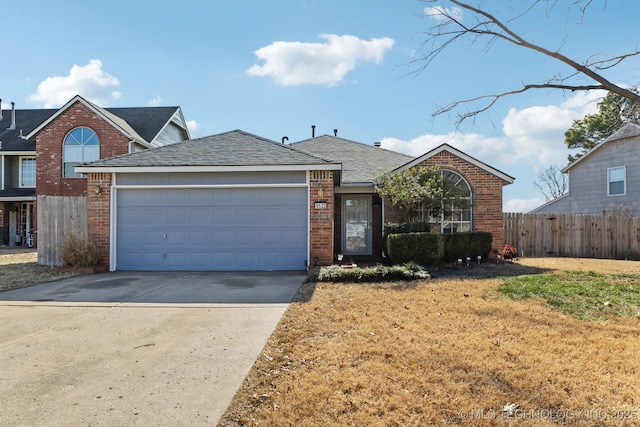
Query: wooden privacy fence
{"points": [[59, 217], [570, 235]]}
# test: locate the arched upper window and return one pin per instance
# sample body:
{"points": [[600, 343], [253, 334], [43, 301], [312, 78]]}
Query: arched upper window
{"points": [[454, 214], [81, 145]]}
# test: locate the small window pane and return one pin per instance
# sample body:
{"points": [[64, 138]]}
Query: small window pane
{"points": [[69, 172], [28, 173], [616, 174], [73, 153], [616, 188]]}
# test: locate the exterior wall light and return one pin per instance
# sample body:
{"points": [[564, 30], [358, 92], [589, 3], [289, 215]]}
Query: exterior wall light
{"points": [[320, 191], [98, 190]]}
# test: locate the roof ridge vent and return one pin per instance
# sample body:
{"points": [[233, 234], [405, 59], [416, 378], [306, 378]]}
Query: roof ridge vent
{"points": [[377, 144]]}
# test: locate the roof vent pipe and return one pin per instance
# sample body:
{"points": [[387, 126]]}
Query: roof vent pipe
{"points": [[377, 144], [0, 109], [285, 138], [13, 116], [313, 131], [335, 132]]}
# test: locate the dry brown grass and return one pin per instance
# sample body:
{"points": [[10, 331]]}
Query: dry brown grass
{"points": [[433, 352], [19, 268]]}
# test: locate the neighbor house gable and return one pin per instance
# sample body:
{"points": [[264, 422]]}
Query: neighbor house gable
{"points": [[118, 123], [629, 130]]}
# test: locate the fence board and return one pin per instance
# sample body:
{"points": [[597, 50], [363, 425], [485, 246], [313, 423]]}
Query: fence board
{"points": [[569, 235], [59, 217]]}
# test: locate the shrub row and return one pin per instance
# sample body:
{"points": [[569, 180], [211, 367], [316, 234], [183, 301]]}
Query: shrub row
{"points": [[379, 273], [433, 249]]}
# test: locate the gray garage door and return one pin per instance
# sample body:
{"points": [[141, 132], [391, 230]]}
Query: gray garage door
{"points": [[211, 229]]}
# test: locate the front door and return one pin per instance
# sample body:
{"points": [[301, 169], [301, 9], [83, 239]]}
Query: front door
{"points": [[356, 225]]}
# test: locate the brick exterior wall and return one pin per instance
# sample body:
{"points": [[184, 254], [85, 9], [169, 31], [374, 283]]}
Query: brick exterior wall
{"points": [[321, 228], [486, 190], [49, 180], [99, 214]]}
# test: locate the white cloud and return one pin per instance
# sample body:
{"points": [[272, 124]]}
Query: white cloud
{"points": [[155, 101], [299, 63], [523, 205], [89, 81], [194, 128], [443, 14], [533, 136]]}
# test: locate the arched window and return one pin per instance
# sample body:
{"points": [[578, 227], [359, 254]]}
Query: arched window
{"points": [[81, 145], [454, 213]]}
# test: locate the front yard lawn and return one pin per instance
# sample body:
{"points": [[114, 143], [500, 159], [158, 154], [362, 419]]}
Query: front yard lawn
{"points": [[454, 350]]}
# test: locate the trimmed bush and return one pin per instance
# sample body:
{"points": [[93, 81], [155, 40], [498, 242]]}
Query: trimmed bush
{"points": [[421, 248], [379, 273], [79, 252], [471, 244], [406, 227], [433, 249]]}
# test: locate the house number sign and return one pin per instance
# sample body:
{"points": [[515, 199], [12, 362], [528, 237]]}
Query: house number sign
{"points": [[321, 205]]}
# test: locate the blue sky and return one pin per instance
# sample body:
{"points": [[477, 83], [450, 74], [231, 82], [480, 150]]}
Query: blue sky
{"points": [[274, 68]]}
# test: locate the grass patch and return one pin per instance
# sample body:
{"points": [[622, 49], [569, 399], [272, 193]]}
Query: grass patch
{"points": [[439, 350], [586, 295]]}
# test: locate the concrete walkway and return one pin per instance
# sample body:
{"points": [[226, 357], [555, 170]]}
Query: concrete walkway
{"points": [[154, 351]]}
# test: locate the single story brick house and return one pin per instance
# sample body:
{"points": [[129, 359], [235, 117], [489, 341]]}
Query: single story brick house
{"points": [[237, 201]]}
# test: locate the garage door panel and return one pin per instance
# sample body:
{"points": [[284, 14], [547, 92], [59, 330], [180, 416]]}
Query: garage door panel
{"points": [[211, 229], [154, 216], [201, 216], [177, 216], [223, 216], [223, 238], [199, 237]]}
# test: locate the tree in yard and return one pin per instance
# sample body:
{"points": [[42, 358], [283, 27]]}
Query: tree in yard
{"points": [[415, 189], [613, 112], [586, 74], [552, 183]]}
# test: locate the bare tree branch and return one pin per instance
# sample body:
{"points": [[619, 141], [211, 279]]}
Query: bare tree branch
{"points": [[488, 27], [552, 183]]}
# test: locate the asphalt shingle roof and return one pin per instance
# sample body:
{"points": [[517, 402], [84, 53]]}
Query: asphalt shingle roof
{"points": [[233, 148], [361, 163], [26, 121], [145, 122]]}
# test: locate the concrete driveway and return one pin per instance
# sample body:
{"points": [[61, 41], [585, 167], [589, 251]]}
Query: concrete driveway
{"points": [[129, 348]]}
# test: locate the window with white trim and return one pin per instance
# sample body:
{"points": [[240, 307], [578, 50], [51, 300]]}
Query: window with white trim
{"points": [[450, 217], [616, 181], [81, 145], [28, 172]]}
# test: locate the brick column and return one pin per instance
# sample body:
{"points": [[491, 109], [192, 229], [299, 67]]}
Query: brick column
{"points": [[99, 213], [321, 208]]}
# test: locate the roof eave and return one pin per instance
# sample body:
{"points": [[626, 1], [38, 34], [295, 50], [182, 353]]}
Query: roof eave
{"points": [[176, 169]]}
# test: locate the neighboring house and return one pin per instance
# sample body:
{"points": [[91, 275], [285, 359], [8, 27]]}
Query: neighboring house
{"points": [[237, 201], [39, 149], [605, 179]]}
